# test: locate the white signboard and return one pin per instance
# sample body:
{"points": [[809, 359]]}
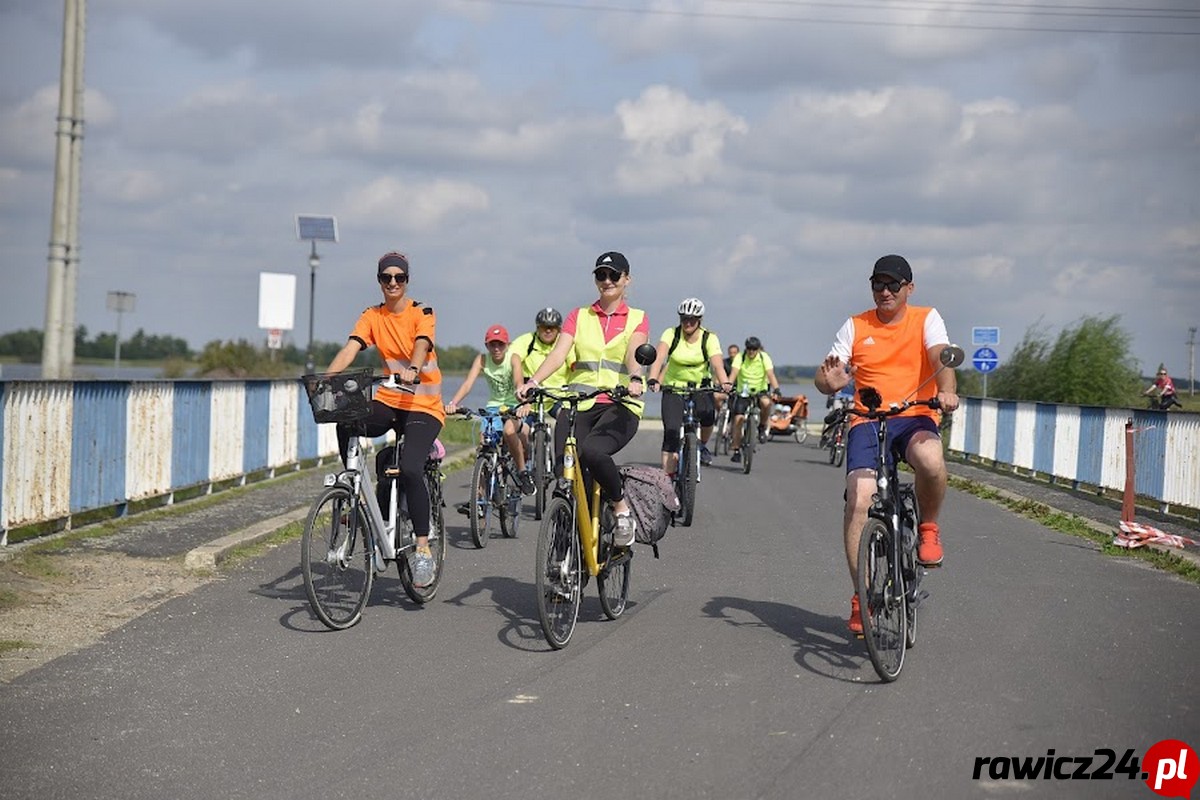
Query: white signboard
{"points": [[276, 301]]}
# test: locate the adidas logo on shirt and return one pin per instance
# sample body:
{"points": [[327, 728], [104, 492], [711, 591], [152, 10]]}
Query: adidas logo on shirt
{"points": [[869, 340]]}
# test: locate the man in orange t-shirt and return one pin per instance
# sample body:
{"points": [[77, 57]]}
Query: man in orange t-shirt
{"points": [[402, 330], [894, 348]]}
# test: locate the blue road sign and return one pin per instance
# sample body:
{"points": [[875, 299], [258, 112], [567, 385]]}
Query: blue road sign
{"points": [[985, 359], [985, 336]]}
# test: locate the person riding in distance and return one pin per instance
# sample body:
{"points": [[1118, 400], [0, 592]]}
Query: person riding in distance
{"points": [[894, 348], [753, 371], [688, 355], [1164, 388], [603, 338], [529, 350], [502, 394], [402, 330]]}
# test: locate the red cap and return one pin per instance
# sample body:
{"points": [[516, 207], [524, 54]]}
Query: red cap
{"points": [[496, 333]]}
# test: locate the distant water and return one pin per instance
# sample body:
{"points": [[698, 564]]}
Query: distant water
{"points": [[85, 372]]}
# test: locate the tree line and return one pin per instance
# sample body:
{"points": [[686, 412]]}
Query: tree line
{"points": [[1087, 363]]}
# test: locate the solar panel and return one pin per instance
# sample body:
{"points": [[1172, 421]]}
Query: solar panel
{"points": [[314, 228]]}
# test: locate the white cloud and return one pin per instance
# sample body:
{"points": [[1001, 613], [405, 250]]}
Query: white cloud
{"points": [[674, 140], [414, 206]]}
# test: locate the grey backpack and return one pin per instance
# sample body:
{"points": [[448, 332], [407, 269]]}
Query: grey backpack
{"points": [[651, 496]]}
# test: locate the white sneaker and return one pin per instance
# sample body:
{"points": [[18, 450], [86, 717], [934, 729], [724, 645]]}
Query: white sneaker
{"points": [[624, 533]]}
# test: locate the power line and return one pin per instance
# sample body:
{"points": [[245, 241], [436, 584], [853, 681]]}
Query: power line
{"points": [[1179, 14]]}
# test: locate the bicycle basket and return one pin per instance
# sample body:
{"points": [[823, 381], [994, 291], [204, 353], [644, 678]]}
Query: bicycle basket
{"points": [[339, 396]]}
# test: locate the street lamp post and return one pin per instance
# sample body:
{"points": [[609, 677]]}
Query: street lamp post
{"points": [[312, 228], [314, 261]]}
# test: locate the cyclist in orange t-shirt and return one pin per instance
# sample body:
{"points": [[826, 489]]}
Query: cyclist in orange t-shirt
{"points": [[403, 332], [894, 348]]}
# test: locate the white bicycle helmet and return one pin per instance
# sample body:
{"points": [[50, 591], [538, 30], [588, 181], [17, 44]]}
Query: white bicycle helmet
{"points": [[691, 307]]}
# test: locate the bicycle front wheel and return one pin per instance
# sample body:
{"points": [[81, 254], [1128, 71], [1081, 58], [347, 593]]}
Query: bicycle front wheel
{"points": [[882, 602], [481, 509], [335, 557], [437, 545], [543, 470], [689, 473], [559, 578]]}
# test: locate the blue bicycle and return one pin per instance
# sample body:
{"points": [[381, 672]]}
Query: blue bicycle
{"points": [[495, 490]]}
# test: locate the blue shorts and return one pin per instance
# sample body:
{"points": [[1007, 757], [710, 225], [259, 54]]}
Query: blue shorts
{"points": [[863, 442]]}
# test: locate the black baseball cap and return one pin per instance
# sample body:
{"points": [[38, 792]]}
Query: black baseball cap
{"points": [[893, 266], [613, 260]]}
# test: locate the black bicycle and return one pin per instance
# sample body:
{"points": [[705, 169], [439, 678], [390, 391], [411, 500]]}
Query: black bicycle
{"points": [[889, 577], [541, 456], [833, 435], [495, 489], [751, 436], [687, 472]]}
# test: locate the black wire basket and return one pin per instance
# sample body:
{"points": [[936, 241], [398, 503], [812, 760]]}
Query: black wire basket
{"points": [[339, 396]]}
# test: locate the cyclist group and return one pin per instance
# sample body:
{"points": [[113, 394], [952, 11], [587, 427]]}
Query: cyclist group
{"points": [[893, 347]]}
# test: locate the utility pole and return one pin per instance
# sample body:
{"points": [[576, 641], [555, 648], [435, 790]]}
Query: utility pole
{"points": [[1191, 362], [58, 344]]}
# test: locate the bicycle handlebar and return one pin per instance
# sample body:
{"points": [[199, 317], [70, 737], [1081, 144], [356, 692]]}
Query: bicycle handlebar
{"points": [[572, 397], [504, 412], [665, 389], [893, 409]]}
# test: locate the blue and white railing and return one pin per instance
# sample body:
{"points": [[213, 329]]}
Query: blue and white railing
{"points": [[1085, 446], [70, 447]]}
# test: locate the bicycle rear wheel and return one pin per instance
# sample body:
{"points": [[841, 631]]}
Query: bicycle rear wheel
{"points": [[559, 578], [911, 519], [543, 470], [482, 511], [335, 557], [437, 544], [882, 602], [613, 579], [689, 473], [508, 500]]}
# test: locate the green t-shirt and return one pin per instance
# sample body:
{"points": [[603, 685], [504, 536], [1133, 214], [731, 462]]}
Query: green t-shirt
{"points": [[687, 363], [752, 372], [501, 391]]}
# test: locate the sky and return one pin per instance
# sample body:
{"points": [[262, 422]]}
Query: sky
{"points": [[1036, 162]]}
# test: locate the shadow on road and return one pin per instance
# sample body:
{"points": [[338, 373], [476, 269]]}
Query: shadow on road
{"points": [[823, 645]]}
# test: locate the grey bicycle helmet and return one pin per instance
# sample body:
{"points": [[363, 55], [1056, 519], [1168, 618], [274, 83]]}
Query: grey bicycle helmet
{"points": [[691, 307], [548, 318]]}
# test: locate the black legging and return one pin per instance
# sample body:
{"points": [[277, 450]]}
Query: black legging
{"points": [[672, 418], [600, 432], [419, 430]]}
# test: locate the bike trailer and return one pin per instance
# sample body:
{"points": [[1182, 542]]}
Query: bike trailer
{"points": [[788, 413], [651, 495]]}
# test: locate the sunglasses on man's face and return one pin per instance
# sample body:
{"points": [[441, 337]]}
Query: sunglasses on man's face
{"points": [[387, 277], [606, 274], [892, 285]]}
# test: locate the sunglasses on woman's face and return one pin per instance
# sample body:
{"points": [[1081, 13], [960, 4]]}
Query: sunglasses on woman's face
{"points": [[893, 286], [606, 274], [387, 277]]}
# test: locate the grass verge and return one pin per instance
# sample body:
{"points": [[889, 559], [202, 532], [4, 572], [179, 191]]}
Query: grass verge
{"points": [[1076, 526]]}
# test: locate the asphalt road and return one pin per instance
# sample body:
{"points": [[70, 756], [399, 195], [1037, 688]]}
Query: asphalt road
{"points": [[732, 675]]}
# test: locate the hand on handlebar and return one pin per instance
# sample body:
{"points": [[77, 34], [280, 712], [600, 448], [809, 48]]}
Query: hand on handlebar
{"points": [[653, 384], [947, 401]]}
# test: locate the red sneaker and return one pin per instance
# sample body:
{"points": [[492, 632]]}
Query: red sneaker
{"points": [[855, 621], [929, 545]]}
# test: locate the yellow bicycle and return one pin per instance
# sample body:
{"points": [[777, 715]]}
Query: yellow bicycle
{"points": [[575, 540]]}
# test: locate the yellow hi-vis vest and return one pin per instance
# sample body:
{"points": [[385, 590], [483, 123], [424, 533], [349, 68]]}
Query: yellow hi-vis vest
{"points": [[599, 364]]}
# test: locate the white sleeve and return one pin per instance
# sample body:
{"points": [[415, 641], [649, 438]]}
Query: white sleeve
{"points": [[843, 343], [935, 329]]}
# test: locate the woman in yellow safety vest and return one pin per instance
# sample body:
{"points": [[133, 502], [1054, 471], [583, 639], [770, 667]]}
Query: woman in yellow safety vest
{"points": [[604, 336]]}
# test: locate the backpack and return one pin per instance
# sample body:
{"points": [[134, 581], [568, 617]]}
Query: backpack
{"points": [[651, 497], [703, 343]]}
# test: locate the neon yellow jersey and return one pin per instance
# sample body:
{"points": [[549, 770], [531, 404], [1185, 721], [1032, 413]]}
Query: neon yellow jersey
{"points": [[533, 352], [687, 363], [752, 372]]}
